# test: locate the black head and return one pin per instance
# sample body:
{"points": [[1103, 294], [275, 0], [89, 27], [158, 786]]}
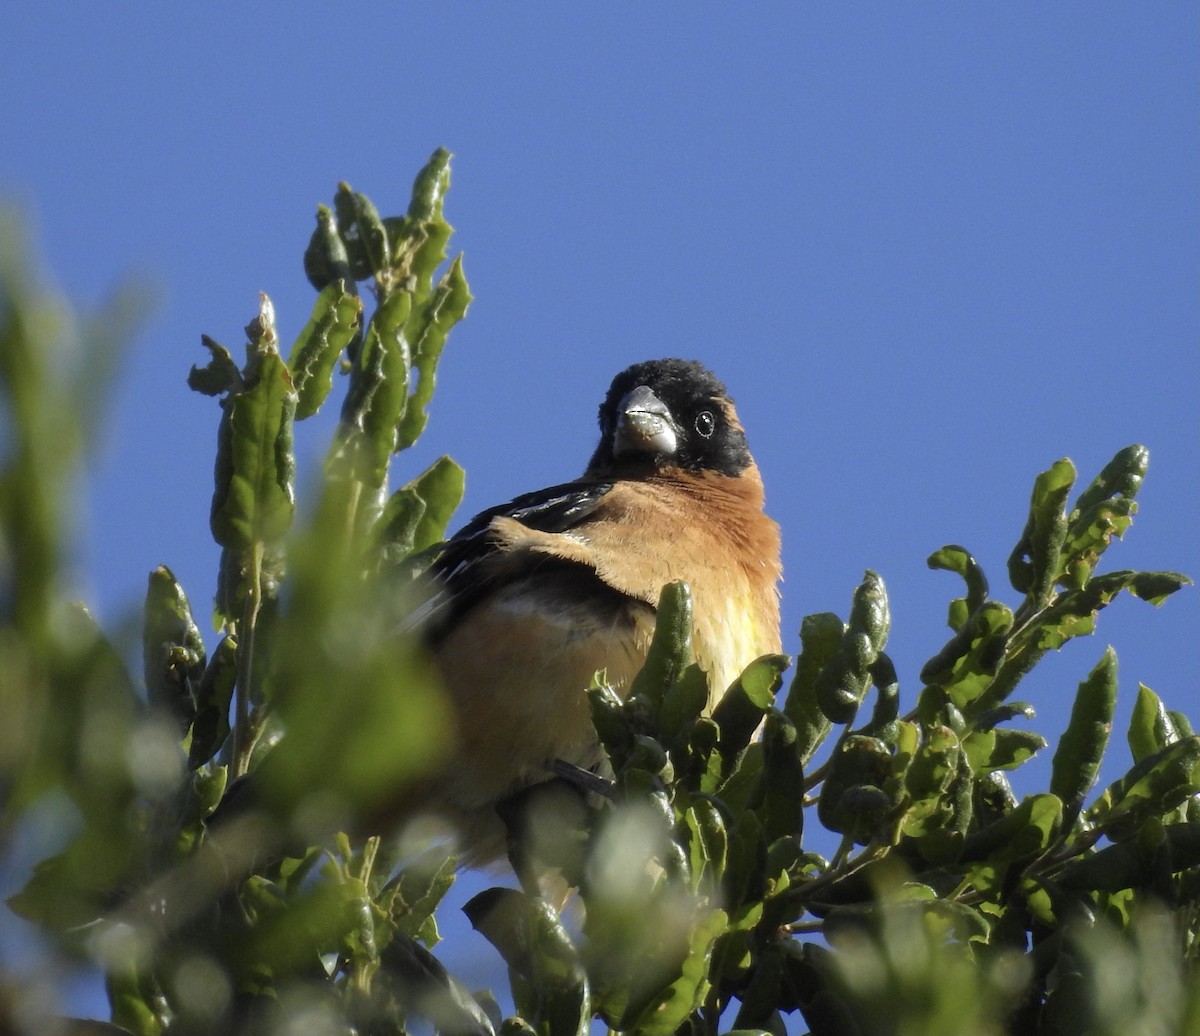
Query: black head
{"points": [[669, 414]]}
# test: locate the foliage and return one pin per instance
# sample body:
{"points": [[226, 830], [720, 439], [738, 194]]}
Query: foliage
{"points": [[948, 907]]}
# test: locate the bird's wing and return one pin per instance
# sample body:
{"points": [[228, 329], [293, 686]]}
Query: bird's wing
{"points": [[466, 569]]}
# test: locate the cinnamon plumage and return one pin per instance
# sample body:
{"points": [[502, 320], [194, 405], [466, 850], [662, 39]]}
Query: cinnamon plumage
{"points": [[533, 597]]}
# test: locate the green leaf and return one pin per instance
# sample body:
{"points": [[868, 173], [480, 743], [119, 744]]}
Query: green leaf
{"points": [[1033, 566], [418, 978], [173, 655], [1150, 727], [1071, 614], [336, 320], [211, 724], [844, 681], [1154, 786], [780, 799], [887, 697], [1090, 535], [1081, 747], [219, 375], [852, 799], [708, 842], [820, 637], [430, 231], [1156, 587], [682, 706], [1103, 512], [743, 706], [534, 944], [254, 500], [430, 187], [953, 558], [362, 233], [428, 326], [377, 395], [670, 650], [1122, 477], [1019, 835], [1134, 864], [1002, 714], [414, 894], [688, 991], [967, 665], [416, 515], [1001, 749], [612, 722], [326, 260], [941, 792]]}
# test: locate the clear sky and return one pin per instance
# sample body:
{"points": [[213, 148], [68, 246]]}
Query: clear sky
{"points": [[930, 248]]}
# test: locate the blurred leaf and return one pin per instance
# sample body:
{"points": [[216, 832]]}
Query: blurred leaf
{"points": [[688, 991], [363, 712], [536, 947], [173, 655], [211, 724], [427, 988]]}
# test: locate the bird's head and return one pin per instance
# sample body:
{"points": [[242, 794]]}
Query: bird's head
{"points": [[665, 414]]}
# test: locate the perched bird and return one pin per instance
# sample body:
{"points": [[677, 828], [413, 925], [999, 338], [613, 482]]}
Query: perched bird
{"points": [[532, 597]]}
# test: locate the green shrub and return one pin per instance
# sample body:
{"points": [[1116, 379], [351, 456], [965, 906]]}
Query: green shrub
{"points": [[948, 907]]}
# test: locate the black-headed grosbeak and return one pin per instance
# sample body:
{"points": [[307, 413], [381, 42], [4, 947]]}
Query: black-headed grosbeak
{"points": [[533, 597]]}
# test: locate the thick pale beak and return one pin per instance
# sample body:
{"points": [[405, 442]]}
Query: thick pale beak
{"points": [[644, 425]]}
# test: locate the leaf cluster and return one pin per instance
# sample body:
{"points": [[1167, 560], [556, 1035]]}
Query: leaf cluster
{"points": [[950, 905], [217, 903]]}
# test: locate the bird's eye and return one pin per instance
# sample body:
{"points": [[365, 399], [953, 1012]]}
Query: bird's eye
{"points": [[706, 424]]}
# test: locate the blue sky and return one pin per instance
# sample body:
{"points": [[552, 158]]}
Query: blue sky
{"points": [[930, 248]]}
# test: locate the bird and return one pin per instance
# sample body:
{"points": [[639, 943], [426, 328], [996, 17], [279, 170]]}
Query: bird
{"points": [[531, 598]]}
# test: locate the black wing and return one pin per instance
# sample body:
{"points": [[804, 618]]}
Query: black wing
{"points": [[455, 571]]}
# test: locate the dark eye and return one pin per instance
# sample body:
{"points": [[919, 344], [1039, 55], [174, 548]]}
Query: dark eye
{"points": [[706, 424]]}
